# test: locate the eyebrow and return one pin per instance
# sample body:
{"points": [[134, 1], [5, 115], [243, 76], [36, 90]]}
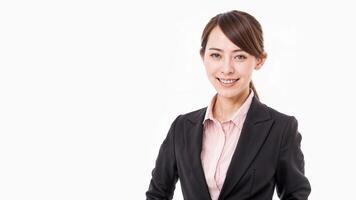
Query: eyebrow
{"points": [[217, 49]]}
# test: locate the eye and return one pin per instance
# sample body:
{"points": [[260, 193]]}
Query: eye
{"points": [[215, 56], [240, 57]]}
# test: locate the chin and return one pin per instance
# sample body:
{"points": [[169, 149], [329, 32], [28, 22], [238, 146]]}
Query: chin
{"points": [[227, 94], [232, 93]]}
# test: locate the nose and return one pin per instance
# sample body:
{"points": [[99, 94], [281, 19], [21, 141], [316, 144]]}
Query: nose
{"points": [[227, 67]]}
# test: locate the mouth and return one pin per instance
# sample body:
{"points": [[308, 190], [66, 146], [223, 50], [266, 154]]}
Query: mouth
{"points": [[227, 82]]}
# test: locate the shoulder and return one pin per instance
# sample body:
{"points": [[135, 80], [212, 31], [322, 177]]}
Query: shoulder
{"points": [[277, 115], [194, 117], [259, 112], [282, 121], [195, 113]]}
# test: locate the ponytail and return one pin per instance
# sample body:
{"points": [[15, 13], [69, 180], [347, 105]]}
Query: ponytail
{"points": [[252, 86]]}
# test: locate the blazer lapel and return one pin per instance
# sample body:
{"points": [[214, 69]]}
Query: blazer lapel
{"points": [[254, 131], [194, 132]]}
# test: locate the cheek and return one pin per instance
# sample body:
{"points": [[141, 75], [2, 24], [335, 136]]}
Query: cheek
{"points": [[245, 70], [210, 67]]}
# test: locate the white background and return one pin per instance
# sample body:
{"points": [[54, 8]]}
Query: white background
{"points": [[88, 90]]}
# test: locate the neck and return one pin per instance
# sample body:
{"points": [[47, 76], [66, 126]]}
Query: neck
{"points": [[224, 107]]}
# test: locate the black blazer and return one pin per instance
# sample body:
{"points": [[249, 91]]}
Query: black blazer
{"points": [[267, 155]]}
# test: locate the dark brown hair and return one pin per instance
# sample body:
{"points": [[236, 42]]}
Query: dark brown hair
{"points": [[242, 29]]}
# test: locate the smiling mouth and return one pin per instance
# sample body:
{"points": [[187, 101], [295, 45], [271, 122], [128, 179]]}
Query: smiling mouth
{"points": [[227, 81]]}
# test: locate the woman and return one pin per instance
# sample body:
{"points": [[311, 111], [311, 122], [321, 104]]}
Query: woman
{"points": [[236, 148]]}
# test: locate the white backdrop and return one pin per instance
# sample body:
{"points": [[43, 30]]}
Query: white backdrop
{"points": [[88, 90]]}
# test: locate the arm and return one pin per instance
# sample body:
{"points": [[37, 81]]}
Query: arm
{"points": [[164, 175], [290, 179]]}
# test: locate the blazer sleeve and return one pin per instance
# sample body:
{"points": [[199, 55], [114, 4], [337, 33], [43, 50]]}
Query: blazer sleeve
{"points": [[290, 179], [164, 174]]}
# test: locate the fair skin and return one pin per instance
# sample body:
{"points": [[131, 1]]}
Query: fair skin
{"points": [[229, 69]]}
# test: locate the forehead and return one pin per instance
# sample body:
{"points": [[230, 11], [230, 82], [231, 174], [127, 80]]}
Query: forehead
{"points": [[217, 39]]}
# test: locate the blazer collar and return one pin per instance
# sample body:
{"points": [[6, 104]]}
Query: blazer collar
{"points": [[254, 131], [257, 109]]}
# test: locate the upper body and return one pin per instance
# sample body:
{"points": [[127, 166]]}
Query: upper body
{"points": [[260, 147], [267, 154]]}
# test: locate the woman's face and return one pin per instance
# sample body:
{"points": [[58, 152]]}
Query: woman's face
{"points": [[228, 68]]}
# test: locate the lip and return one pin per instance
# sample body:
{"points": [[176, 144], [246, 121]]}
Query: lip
{"points": [[228, 84], [227, 78]]}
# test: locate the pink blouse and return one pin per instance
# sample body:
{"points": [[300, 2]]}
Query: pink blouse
{"points": [[219, 143]]}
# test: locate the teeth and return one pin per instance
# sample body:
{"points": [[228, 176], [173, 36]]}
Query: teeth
{"points": [[227, 81]]}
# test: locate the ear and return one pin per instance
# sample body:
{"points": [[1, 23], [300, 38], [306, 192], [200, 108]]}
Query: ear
{"points": [[261, 61]]}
